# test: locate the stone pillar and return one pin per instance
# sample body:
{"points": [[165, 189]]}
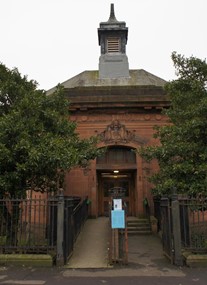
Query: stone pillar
{"points": [[93, 196], [178, 260], [60, 229]]}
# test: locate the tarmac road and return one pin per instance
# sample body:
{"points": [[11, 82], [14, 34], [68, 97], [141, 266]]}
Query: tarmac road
{"points": [[54, 276]]}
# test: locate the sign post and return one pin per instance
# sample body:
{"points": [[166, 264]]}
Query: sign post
{"points": [[119, 239]]}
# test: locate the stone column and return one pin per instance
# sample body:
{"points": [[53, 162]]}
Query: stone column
{"points": [[178, 260], [60, 229]]}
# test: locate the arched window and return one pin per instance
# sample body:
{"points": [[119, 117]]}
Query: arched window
{"points": [[117, 155]]}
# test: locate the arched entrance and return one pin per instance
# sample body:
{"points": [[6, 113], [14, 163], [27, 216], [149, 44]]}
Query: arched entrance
{"points": [[116, 174]]}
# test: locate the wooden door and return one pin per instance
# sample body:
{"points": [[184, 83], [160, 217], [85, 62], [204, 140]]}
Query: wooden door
{"points": [[108, 187]]}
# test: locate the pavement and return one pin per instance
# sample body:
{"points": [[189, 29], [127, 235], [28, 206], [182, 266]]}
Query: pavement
{"points": [[145, 256], [54, 276], [89, 264]]}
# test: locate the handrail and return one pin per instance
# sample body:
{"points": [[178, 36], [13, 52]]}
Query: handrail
{"points": [[78, 205], [147, 208], [79, 216]]}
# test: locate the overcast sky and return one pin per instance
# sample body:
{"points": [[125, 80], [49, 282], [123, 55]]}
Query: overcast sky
{"points": [[54, 40]]}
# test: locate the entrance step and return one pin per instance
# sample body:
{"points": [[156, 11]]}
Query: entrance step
{"points": [[136, 226]]}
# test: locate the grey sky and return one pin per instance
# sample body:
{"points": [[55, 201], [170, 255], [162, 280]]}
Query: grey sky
{"points": [[53, 40]]}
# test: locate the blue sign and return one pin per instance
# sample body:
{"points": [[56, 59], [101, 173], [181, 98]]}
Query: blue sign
{"points": [[118, 219]]}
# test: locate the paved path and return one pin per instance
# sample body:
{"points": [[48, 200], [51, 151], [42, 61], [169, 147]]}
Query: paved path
{"points": [[91, 247], [145, 254]]}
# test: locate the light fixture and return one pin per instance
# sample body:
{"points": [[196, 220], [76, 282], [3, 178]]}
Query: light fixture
{"points": [[116, 171]]}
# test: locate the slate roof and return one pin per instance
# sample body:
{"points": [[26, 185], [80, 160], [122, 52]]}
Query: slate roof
{"points": [[138, 77]]}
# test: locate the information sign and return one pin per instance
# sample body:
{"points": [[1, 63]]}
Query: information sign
{"points": [[117, 204], [117, 219]]}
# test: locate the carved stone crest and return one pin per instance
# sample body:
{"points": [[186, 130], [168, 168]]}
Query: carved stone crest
{"points": [[117, 133]]}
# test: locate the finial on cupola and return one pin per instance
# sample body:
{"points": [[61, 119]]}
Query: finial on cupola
{"points": [[112, 17]]}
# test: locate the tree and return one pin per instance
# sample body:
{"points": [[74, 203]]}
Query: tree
{"points": [[182, 153], [38, 142], [13, 87]]}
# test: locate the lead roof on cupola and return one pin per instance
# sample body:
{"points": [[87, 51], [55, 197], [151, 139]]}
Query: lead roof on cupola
{"points": [[112, 23]]}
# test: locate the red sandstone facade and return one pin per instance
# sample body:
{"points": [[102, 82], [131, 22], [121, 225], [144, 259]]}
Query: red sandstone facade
{"points": [[121, 109], [122, 129]]}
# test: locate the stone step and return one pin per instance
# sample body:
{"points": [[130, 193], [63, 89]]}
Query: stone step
{"points": [[143, 227], [140, 221], [138, 226], [140, 232], [131, 223]]}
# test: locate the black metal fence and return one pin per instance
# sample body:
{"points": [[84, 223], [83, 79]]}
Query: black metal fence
{"points": [[27, 225], [31, 225], [75, 215], [183, 227], [193, 219], [80, 214]]}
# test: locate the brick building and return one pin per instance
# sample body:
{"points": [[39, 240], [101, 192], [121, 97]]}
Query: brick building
{"points": [[121, 106]]}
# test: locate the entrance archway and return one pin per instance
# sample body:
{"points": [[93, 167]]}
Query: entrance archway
{"points": [[116, 172]]}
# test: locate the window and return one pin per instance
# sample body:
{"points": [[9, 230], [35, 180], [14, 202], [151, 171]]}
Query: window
{"points": [[117, 155], [113, 45]]}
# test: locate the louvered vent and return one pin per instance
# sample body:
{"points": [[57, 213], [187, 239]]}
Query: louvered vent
{"points": [[113, 45]]}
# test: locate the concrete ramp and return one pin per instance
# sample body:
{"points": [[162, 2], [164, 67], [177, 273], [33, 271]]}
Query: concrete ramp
{"points": [[91, 247]]}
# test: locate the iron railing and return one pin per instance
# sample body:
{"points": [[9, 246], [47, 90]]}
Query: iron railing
{"points": [[75, 215], [30, 225], [80, 215], [27, 225], [193, 224], [193, 219]]}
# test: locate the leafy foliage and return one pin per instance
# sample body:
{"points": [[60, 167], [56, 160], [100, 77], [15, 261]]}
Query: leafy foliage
{"points": [[182, 154], [38, 142], [13, 87]]}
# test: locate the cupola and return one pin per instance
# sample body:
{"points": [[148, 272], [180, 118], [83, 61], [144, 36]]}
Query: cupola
{"points": [[112, 36]]}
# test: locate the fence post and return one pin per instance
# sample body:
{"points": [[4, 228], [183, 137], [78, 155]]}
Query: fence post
{"points": [[178, 260], [60, 229]]}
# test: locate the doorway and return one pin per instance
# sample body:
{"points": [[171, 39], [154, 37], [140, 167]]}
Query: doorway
{"points": [[111, 186], [116, 171]]}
